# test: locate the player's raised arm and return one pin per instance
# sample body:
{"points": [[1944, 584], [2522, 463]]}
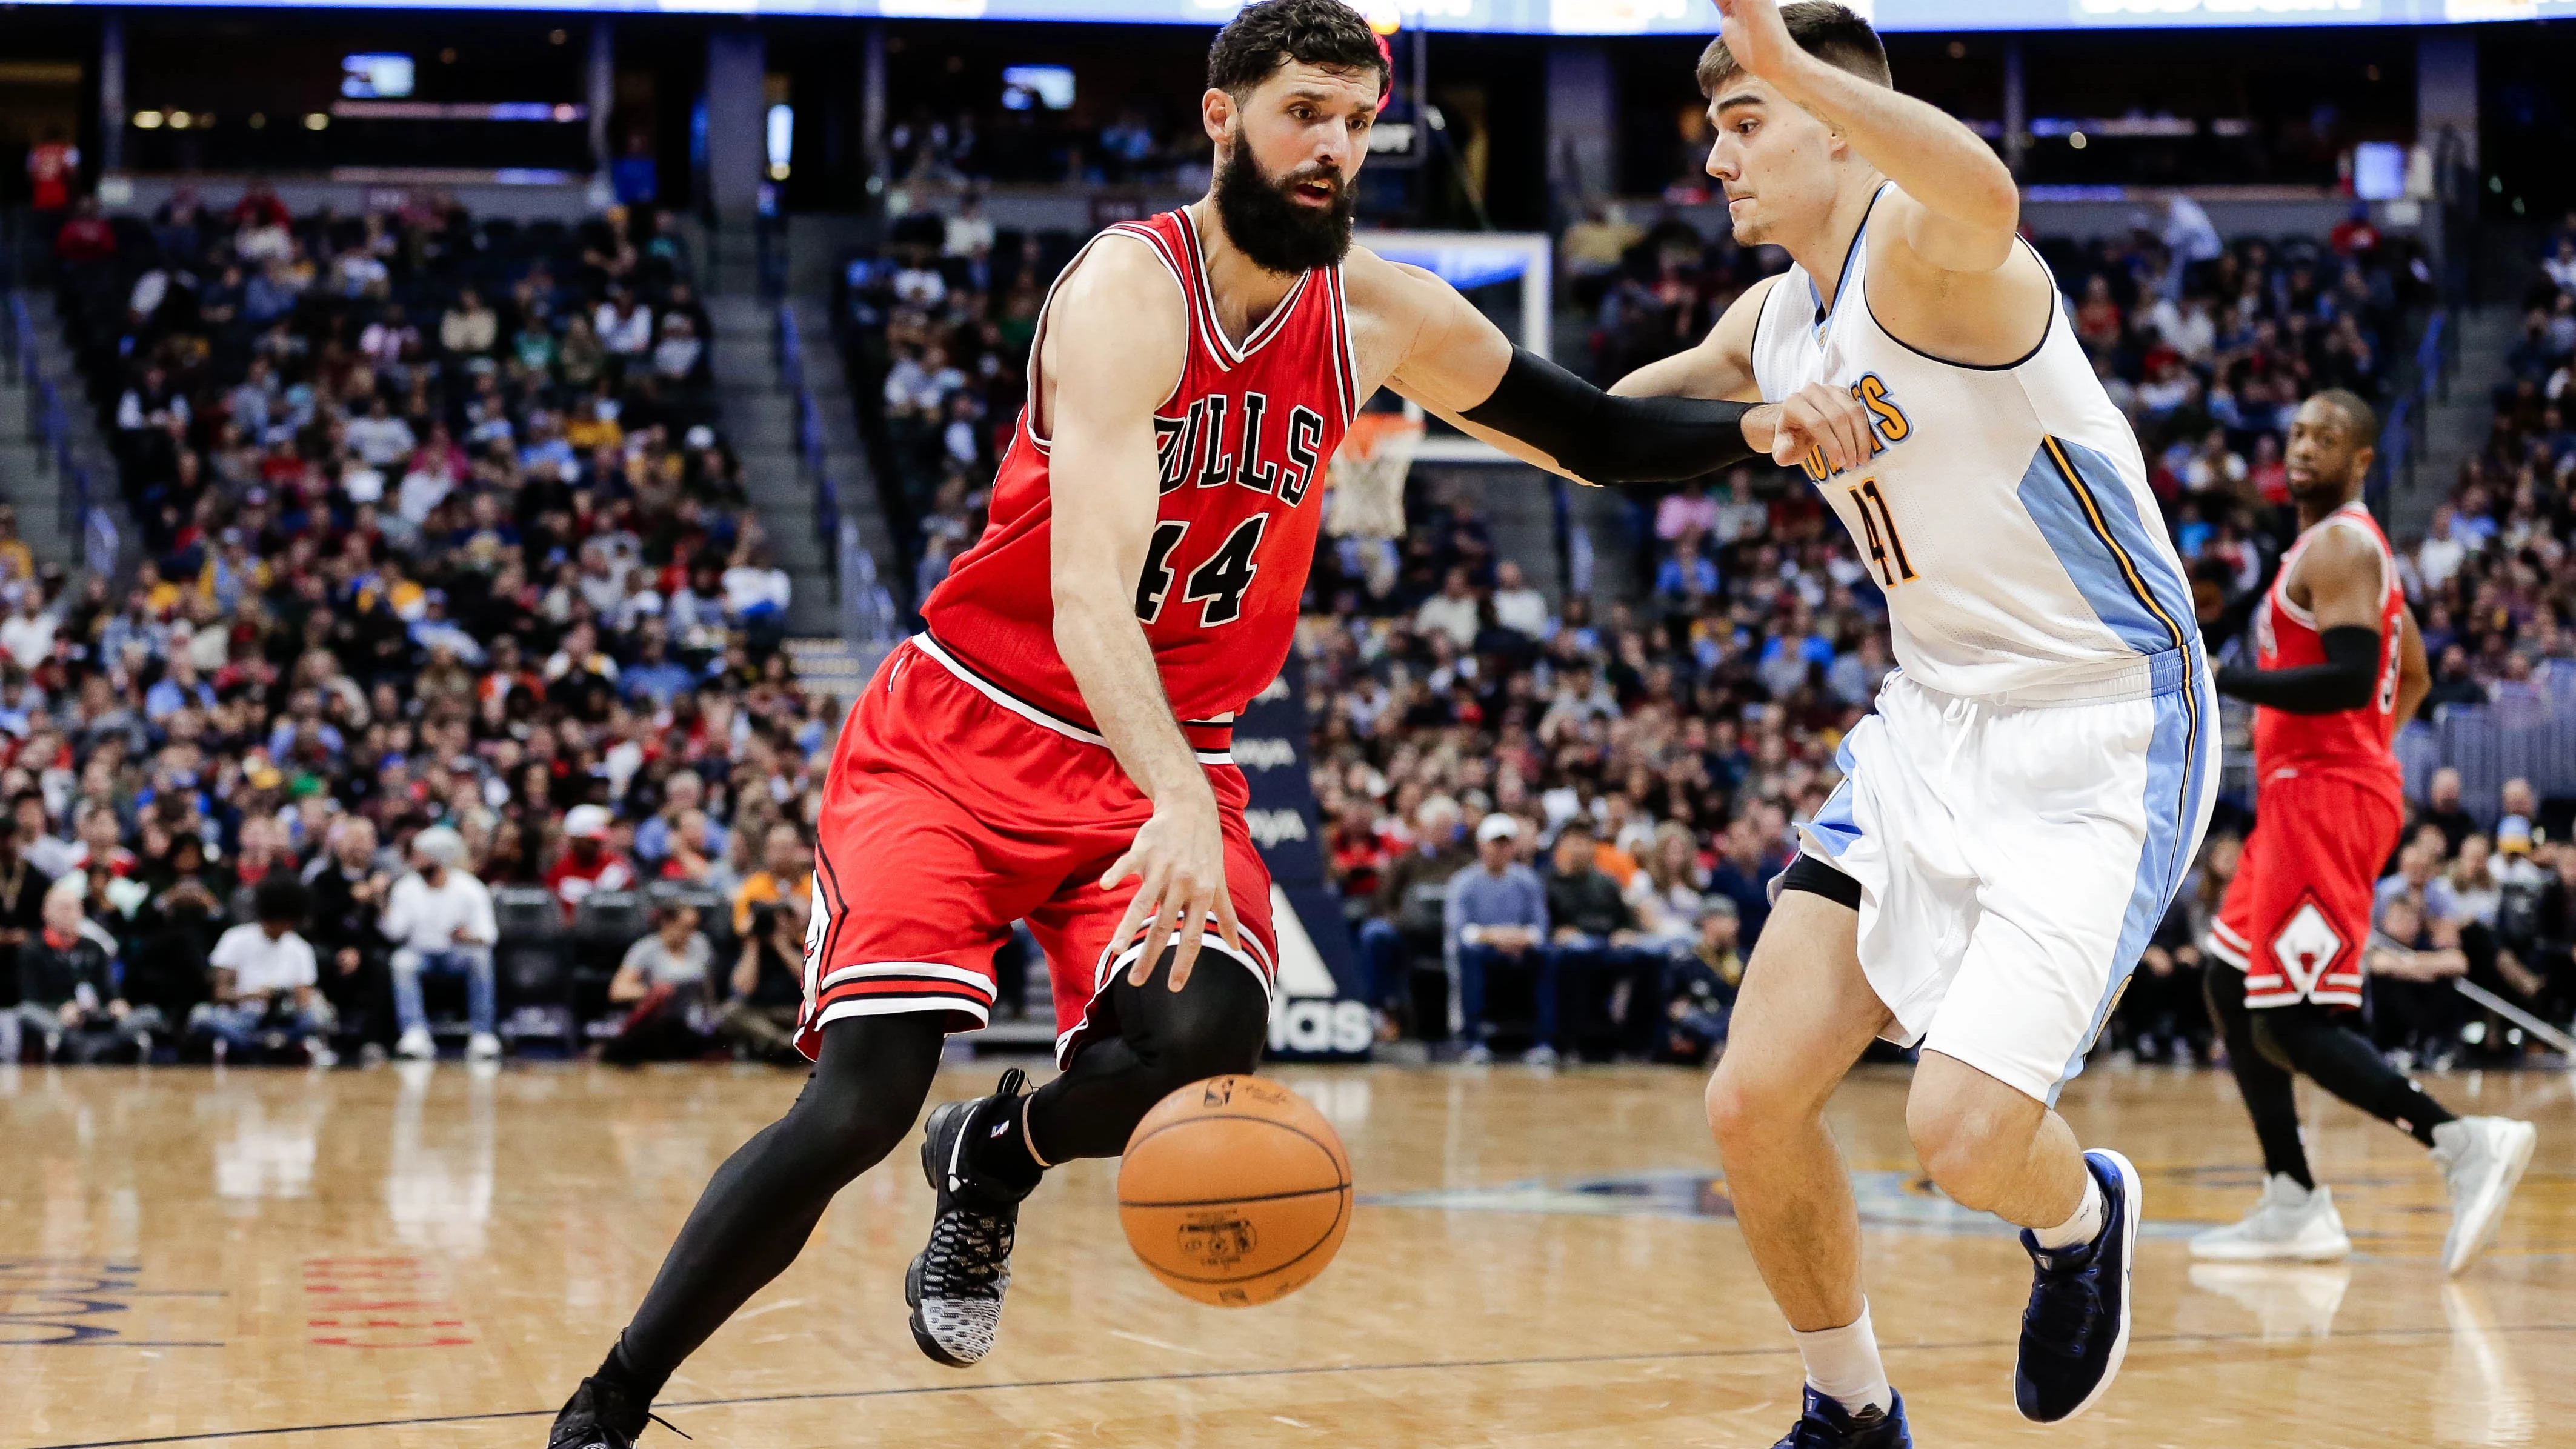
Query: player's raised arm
{"points": [[1115, 340], [1439, 351], [1960, 206]]}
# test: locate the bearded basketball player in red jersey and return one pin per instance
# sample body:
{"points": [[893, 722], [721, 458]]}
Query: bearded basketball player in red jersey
{"points": [[2340, 666], [1053, 747]]}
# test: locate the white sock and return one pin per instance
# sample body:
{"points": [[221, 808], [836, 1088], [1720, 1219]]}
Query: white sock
{"points": [[2084, 1227], [1843, 1364]]}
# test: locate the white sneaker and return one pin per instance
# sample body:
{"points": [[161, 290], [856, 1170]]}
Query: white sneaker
{"points": [[2289, 1223], [2482, 1159], [1476, 1055], [320, 1053], [416, 1045], [1541, 1055], [483, 1046]]}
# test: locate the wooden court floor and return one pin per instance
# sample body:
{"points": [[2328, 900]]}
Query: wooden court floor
{"points": [[401, 1258]]}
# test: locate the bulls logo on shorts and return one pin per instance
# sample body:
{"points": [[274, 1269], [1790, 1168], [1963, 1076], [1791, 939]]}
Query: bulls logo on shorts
{"points": [[2307, 945]]}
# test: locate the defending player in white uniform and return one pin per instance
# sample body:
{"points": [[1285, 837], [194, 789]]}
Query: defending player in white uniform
{"points": [[2021, 809]]}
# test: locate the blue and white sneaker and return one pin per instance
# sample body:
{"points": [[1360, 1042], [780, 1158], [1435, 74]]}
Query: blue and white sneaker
{"points": [[1826, 1424], [2076, 1329]]}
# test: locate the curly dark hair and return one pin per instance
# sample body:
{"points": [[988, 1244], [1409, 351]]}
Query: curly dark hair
{"points": [[1270, 34]]}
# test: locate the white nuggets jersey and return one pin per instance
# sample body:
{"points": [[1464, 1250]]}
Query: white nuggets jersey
{"points": [[2004, 510]]}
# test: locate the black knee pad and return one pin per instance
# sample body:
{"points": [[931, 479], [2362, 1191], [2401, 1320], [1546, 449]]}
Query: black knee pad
{"points": [[1215, 1024]]}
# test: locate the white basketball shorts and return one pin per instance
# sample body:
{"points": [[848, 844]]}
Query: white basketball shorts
{"points": [[2015, 855]]}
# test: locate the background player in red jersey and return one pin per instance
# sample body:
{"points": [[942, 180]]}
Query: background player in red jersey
{"points": [[2341, 665], [1059, 729]]}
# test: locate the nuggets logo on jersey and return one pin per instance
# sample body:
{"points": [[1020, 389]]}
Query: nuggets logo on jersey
{"points": [[1887, 424]]}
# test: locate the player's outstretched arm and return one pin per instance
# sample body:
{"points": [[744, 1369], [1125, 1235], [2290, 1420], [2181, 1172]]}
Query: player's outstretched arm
{"points": [[1116, 337], [2341, 574], [1436, 349], [1960, 206]]}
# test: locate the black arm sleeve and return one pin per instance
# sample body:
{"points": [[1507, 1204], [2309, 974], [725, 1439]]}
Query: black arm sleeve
{"points": [[2343, 682], [1604, 439]]}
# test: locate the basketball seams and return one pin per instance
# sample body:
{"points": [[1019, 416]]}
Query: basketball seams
{"points": [[1127, 1202], [1341, 1165]]}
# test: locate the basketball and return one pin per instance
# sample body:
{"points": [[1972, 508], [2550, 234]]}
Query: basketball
{"points": [[1235, 1191]]}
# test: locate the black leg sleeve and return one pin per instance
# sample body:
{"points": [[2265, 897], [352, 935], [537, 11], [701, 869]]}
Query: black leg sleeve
{"points": [[2342, 1061], [1166, 1040], [2270, 1092], [763, 1203]]}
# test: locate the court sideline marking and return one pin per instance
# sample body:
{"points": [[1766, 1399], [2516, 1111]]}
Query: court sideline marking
{"points": [[1257, 1373]]}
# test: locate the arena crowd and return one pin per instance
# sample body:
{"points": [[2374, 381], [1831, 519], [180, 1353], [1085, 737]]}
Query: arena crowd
{"points": [[448, 596]]}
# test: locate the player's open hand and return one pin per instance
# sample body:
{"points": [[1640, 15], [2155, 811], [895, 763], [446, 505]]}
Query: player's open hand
{"points": [[1818, 415], [1756, 37], [1178, 859]]}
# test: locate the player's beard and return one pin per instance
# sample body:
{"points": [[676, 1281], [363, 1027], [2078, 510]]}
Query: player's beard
{"points": [[1279, 234]]}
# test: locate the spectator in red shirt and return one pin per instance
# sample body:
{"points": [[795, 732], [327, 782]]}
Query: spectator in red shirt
{"points": [[2354, 235], [86, 237], [53, 164], [587, 863], [259, 209]]}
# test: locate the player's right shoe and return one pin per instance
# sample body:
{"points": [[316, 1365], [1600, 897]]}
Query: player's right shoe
{"points": [[2482, 1160], [1826, 1424], [955, 1286], [2289, 1223]]}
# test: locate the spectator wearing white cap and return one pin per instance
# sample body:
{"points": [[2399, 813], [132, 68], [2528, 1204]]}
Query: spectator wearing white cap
{"points": [[587, 863], [440, 920], [1497, 916]]}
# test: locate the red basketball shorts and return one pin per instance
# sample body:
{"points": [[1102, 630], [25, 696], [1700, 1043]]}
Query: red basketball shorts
{"points": [[954, 809], [2298, 914]]}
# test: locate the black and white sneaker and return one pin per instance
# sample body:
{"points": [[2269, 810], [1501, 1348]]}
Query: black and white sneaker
{"points": [[600, 1415], [956, 1285], [2076, 1330]]}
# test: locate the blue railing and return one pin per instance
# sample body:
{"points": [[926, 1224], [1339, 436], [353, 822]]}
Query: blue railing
{"points": [[52, 427], [869, 623], [2526, 730], [2401, 437]]}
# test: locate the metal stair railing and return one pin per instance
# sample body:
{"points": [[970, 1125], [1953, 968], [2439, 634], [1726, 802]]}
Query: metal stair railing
{"points": [[98, 536], [870, 624]]}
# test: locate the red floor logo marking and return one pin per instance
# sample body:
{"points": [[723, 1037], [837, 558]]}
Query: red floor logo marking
{"points": [[380, 1303]]}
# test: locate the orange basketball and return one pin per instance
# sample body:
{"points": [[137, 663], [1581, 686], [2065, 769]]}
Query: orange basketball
{"points": [[1235, 1191]]}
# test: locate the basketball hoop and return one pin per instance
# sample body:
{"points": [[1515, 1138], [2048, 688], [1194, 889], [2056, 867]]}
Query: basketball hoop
{"points": [[1367, 476]]}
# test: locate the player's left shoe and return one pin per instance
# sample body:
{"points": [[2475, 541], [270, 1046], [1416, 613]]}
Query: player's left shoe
{"points": [[600, 1415], [1825, 1424], [955, 1286], [2076, 1329], [2482, 1160]]}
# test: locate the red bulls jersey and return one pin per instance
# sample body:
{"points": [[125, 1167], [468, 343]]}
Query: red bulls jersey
{"points": [[2353, 742], [1243, 441]]}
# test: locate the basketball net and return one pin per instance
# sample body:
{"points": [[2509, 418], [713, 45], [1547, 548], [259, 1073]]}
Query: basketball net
{"points": [[1367, 476]]}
